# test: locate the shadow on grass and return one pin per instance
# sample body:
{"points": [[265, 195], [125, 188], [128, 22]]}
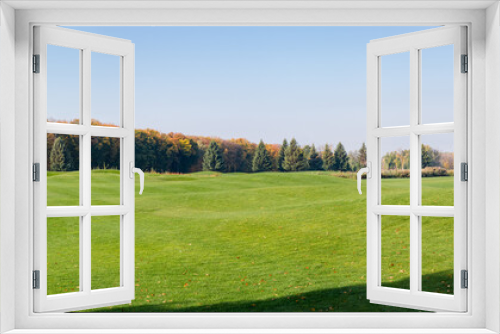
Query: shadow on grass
{"points": [[345, 299]]}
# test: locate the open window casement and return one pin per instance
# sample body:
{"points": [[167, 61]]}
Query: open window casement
{"points": [[415, 296], [86, 214]]}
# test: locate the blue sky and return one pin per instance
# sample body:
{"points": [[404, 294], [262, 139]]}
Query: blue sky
{"points": [[258, 83]]}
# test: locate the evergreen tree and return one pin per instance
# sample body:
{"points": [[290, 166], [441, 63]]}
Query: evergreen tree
{"points": [[281, 155], [303, 161], [327, 158], [262, 160], [315, 161], [69, 163], [307, 151], [212, 159], [294, 158], [362, 156], [72, 149], [340, 158], [57, 156]]}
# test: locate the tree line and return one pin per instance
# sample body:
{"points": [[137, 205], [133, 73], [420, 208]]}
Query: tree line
{"points": [[289, 157], [177, 153], [400, 159]]}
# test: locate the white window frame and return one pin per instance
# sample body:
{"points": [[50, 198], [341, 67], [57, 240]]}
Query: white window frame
{"points": [[16, 215]]}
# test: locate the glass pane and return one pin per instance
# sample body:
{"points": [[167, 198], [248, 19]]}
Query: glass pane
{"points": [[437, 84], [395, 170], [395, 89], [63, 255], [437, 169], [105, 252], [105, 89], [437, 254], [105, 171], [63, 164], [63, 84], [395, 251]]}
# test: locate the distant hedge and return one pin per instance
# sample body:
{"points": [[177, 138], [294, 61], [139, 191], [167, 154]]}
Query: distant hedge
{"points": [[426, 172]]}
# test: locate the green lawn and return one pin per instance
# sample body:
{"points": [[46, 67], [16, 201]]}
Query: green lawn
{"points": [[267, 242]]}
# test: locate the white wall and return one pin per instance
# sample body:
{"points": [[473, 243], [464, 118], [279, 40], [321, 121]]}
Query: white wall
{"points": [[7, 159], [493, 164]]}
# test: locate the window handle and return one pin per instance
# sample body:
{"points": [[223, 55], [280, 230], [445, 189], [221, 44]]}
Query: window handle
{"points": [[134, 170], [368, 171]]}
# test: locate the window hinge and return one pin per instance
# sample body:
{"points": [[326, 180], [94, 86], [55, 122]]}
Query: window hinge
{"points": [[465, 279], [36, 63], [36, 172], [464, 171], [36, 279], [465, 64]]}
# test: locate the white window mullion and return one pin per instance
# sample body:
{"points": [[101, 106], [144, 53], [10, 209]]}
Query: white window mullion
{"points": [[74, 129], [414, 172], [83, 104], [415, 268], [396, 131], [85, 170], [430, 129], [418, 161], [85, 153], [422, 211], [85, 242]]}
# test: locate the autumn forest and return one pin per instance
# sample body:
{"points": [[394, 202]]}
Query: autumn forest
{"points": [[178, 153]]}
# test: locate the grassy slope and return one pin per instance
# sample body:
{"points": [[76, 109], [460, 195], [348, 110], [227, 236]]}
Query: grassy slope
{"points": [[255, 242]]}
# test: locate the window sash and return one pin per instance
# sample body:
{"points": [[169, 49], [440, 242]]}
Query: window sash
{"points": [[414, 297], [86, 297]]}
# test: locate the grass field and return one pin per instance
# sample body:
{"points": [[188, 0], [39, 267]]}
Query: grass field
{"points": [[267, 242]]}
